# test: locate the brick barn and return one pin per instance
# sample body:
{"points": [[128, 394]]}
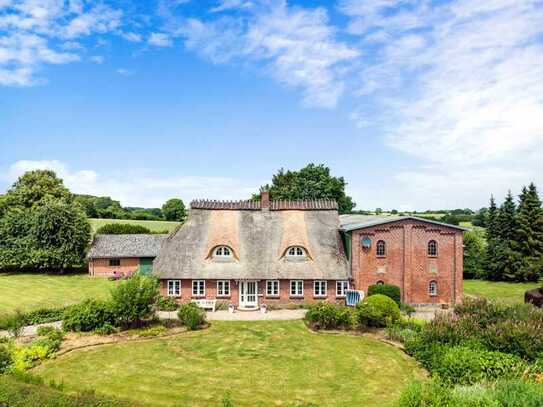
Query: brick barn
{"points": [[250, 253], [112, 255]]}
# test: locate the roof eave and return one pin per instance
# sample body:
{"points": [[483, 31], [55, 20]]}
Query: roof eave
{"points": [[358, 226]]}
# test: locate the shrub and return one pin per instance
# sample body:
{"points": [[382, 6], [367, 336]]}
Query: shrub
{"points": [[324, 315], [169, 304], [391, 291], [88, 316], [50, 332], [377, 311], [133, 299], [5, 358], [106, 329], [44, 315], [520, 338], [15, 323], [122, 229], [191, 316]]}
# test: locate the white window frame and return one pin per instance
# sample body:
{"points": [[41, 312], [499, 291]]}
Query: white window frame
{"points": [[436, 247], [174, 291], [296, 252], [318, 290], [199, 284], [433, 292], [384, 248], [341, 286], [296, 284], [276, 287], [221, 252], [223, 291]]}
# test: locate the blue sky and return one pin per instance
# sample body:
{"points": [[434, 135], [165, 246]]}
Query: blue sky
{"points": [[418, 104]]}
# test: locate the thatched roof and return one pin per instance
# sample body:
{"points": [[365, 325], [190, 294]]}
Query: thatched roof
{"points": [[259, 240], [137, 245]]}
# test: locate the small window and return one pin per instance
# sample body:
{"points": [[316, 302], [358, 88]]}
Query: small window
{"points": [[432, 288], [380, 248], [380, 282], [319, 288], [432, 248], [174, 288], [297, 288], [222, 252], [272, 288], [198, 288], [223, 288], [114, 262], [341, 287], [296, 251]]}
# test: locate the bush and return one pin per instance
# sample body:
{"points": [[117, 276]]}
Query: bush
{"points": [[191, 316], [5, 358], [44, 315], [168, 304], [106, 329], [122, 229], [391, 291], [133, 299], [15, 323], [324, 315], [88, 316], [50, 332], [377, 311], [520, 338]]}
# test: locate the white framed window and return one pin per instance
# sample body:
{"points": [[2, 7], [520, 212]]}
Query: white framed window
{"points": [[381, 248], [296, 252], [272, 288], [296, 288], [114, 262], [432, 287], [174, 288], [198, 288], [341, 286], [223, 288], [320, 288], [432, 248], [222, 252]]}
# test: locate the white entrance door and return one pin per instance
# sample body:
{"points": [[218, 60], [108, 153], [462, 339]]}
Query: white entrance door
{"points": [[248, 297]]}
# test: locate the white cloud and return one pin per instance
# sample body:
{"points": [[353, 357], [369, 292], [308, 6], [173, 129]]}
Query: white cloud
{"points": [[97, 59], [138, 189], [231, 4], [160, 40], [124, 72], [131, 36]]}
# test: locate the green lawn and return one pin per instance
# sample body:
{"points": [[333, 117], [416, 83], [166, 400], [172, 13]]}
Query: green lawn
{"points": [[259, 363], [498, 291], [30, 291], [153, 225]]}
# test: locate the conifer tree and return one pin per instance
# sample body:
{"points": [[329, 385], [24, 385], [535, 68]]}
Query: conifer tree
{"points": [[506, 257], [490, 262]]}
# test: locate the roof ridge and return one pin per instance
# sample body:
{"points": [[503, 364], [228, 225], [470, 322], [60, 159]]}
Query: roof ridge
{"points": [[275, 205]]}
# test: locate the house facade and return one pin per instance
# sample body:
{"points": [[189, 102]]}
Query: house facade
{"points": [[278, 253], [112, 255]]}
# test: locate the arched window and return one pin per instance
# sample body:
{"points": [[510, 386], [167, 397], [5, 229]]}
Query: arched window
{"points": [[432, 248], [296, 251], [432, 287], [222, 252], [380, 248], [380, 282]]}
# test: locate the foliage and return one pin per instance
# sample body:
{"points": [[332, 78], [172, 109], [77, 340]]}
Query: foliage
{"points": [[391, 291], [43, 315], [33, 188], [324, 315], [105, 329], [133, 299], [474, 253], [310, 182], [150, 331], [5, 357], [15, 323], [174, 210], [50, 332], [88, 316], [191, 316], [377, 311], [122, 229], [167, 304]]}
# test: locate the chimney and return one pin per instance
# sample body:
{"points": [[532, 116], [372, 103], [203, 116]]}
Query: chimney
{"points": [[265, 200]]}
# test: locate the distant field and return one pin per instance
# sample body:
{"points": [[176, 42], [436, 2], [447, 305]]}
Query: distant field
{"points": [[509, 293], [153, 225]]}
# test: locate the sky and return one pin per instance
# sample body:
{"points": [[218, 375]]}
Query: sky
{"points": [[418, 104]]}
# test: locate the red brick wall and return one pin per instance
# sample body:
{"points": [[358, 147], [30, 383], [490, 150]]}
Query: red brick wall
{"points": [[407, 263], [283, 299], [100, 267]]}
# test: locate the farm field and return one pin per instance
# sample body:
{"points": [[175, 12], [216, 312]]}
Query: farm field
{"points": [[153, 225], [27, 292], [509, 293], [256, 363]]}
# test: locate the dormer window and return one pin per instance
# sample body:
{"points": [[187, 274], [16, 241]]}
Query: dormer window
{"points": [[296, 252], [222, 252]]}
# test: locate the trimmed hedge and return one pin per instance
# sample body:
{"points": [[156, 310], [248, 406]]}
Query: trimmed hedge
{"points": [[122, 229], [391, 291], [378, 311]]}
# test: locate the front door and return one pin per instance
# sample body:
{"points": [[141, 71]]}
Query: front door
{"points": [[248, 297]]}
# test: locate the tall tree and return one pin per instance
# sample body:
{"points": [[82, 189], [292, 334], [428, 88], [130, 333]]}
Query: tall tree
{"points": [[174, 210], [491, 253], [311, 182], [33, 187], [507, 257], [474, 252]]}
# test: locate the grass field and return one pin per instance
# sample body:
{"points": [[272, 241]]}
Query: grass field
{"points": [[509, 293], [30, 291], [153, 225], [258, 363]]}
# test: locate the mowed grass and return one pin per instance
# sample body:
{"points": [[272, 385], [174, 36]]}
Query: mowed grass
{"points": [[509, 293], [153, 225], [256, 363], [31, 291]]}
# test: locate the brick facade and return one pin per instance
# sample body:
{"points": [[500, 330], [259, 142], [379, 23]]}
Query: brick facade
{"points": [[101, 267], [406, 262]]}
